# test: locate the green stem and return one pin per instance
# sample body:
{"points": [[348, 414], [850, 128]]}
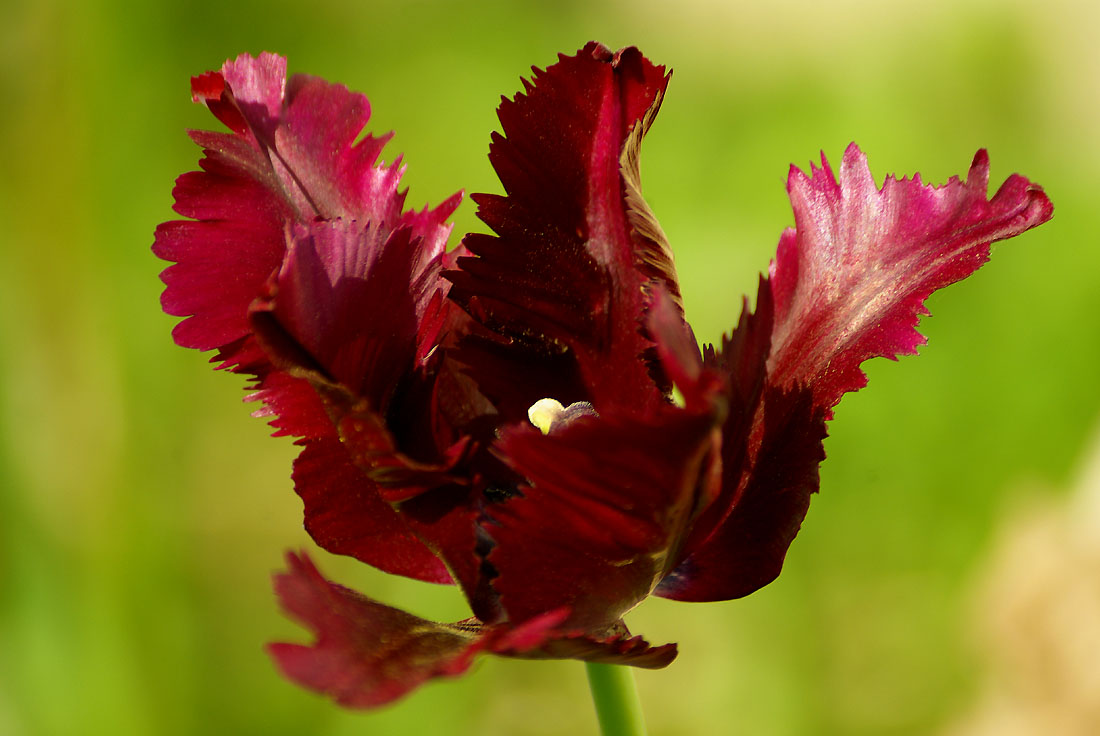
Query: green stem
{"points": [[616, 699]]}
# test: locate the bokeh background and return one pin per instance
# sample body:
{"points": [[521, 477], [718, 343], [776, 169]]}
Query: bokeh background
{"points": [[142, 510]]}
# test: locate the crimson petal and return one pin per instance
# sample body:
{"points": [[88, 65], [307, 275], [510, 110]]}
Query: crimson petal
{"points": [[575, 243], [345, 514], [293, 405], [769, 483], [295, 153], [367, 654], [598, 523], [338, 269], [222, 260]]}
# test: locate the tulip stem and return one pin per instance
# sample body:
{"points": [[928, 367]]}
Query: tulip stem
{"points": [[616, 699]]}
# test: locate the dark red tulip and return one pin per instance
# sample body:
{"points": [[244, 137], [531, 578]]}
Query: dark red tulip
{"points": [[413, 377]]}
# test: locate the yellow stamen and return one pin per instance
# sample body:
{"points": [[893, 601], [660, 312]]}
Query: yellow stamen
{"points": [[544, 412]]}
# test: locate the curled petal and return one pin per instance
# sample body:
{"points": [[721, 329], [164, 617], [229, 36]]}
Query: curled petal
{"points": [[373, 447], [742, 361], [849, 282], [255, 93], [574, 241], [446, 518], [678, 352], [295, 153]]}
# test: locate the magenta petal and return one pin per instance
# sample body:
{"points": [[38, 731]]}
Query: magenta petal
{"points": [[848, 283], [345, 514], [237, 241], [256, 88], [574, 242], [598, 523], [334, 174], [850, 280], [329, 171]]}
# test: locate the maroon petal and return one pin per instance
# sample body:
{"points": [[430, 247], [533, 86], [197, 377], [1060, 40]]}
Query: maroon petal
{"points": [[850, 280], [678, 352], [350, 297], [742, 362], [446, 518], [345, 514], [367, 654], [615, 647], [575, 243], [512, 374], [770, 483], [374, 449], [599, 520]]}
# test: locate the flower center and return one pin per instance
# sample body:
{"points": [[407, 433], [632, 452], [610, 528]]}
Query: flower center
{"points": [[549, 415]]}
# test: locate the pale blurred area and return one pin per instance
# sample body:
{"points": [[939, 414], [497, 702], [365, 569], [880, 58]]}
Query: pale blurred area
{"points": [[1037, 619], [142, 510]]}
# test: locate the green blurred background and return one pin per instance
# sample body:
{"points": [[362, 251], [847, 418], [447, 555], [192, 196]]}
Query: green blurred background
{"points": [[142, 510]]}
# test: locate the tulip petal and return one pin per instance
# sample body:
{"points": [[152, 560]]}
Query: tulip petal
{"points": [[338, 269], [615, 647], [367, 654], [295, 153], [849, 282], [222, 260], [293, 405], [766, 491], [575, 243], [345, 514], [599, 520]]}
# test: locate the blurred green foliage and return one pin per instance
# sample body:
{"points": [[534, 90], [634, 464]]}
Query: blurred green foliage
{"points": [[142, 510]]}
